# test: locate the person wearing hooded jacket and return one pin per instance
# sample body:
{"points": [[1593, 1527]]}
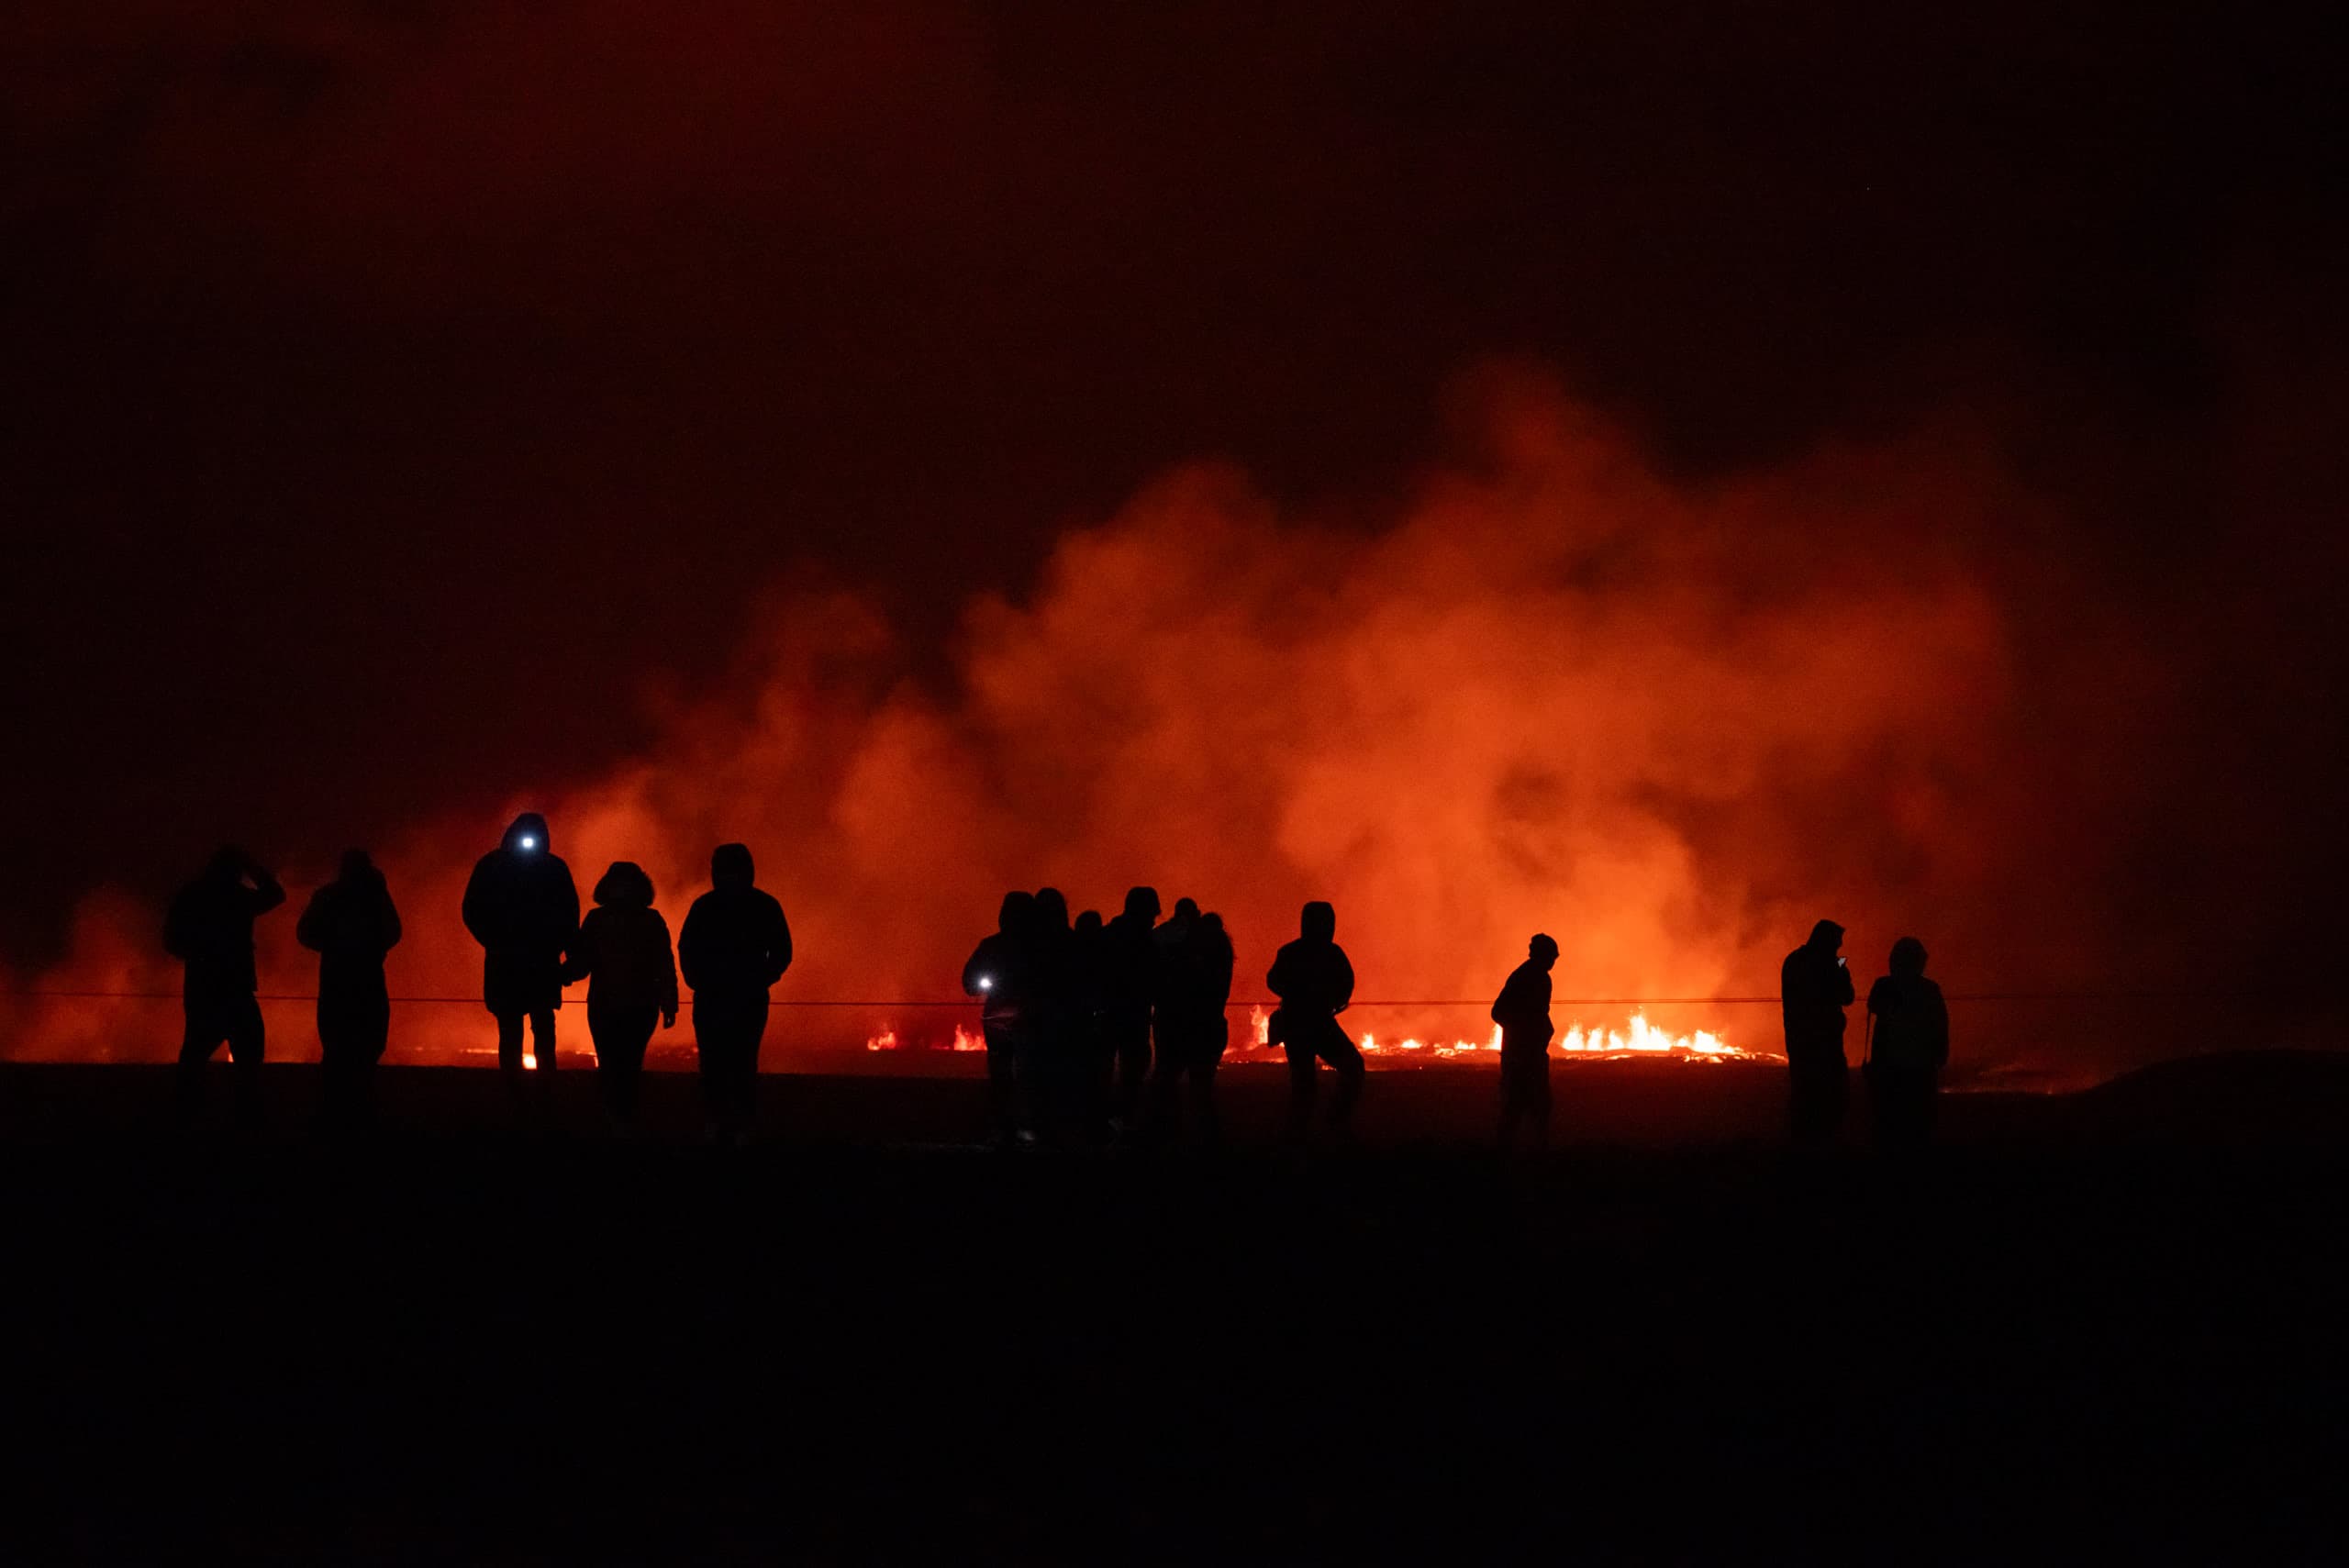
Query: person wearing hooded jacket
{"points": [[523, 908], [999, 973], [735, 945], [351, 924], [209, 928], [1315, 982], [1814, 988], [1908, 1048], [623, 953], [1129, 980], [1190, 1031]]}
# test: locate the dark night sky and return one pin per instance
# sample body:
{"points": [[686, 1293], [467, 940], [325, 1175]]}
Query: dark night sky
{"points": [[393, 392]]}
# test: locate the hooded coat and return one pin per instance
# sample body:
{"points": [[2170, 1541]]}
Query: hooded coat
{"points": [[351, 924], [622, 950], [523, 908], [736, 943], [1814, 989]]}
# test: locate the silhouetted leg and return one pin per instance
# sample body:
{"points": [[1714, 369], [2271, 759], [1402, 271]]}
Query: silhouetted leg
{"points": [[620, 1035], [1133, 1067], [1002, 1078], [1302, 1067], [1819, 1089], [200, 1038], [1345, 1056], [510, 1050], [542, 1043], [1213, 1040], [246, 1042]]}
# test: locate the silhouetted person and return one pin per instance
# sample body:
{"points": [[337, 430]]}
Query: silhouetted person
{"points": [[1814, 988], [1522, 1010], [1315, 983], [1082, 1087], [1193, 988], [735, 945], [997, 973], [1908, 1048], [1129, 959], [623, 953], [1049, 1066], [209, 928], [351, 924], [523, 908]]}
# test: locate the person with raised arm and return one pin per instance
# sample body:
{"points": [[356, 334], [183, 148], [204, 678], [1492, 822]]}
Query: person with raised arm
{"points": [[209, 928]]}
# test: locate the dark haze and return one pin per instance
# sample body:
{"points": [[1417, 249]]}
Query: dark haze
{"points": [[416, 412]]}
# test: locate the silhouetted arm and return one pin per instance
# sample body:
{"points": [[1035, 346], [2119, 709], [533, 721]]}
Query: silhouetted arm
{"points": [[1280, 977], [580, 962], [668, 970], [475, 909], [390, 931], [567, 909], [268, 892], [778, 944], [689, 943], [1345, 991], [1937, 1027]]}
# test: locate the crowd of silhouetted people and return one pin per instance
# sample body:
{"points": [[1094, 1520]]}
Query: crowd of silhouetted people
{"points": [[1095, 1030]]}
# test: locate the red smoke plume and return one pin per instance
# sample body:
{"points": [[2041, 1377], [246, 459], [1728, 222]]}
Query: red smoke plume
{"points": [[1552, 691]]}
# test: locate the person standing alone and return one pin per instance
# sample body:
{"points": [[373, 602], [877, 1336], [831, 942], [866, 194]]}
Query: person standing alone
{"points": [[1522, 1010]]}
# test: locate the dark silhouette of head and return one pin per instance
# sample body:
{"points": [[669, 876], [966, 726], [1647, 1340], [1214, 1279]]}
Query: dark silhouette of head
{"points": [[227, 864], [730, 866], [1142, 903], [357, 866], [1051, 909], [624, 886], [528, 834], [1017, 914], [1826, 936], [1212, 923], [1542, 950], [1090, 923], [1909, 958], [1319, 923], [1186, 909]]}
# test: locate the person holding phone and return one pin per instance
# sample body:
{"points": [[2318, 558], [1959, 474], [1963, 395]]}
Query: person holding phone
{"points": [[1814, 988]]}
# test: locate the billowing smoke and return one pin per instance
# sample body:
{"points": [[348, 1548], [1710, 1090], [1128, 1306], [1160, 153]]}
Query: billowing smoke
{"points": [[1550, 691]]}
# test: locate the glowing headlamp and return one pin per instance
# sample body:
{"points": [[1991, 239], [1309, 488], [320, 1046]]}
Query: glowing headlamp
{"points": [[986, 982], [527, 841]]}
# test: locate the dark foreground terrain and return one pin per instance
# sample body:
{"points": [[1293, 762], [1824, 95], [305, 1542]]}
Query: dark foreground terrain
{"points": [[2105, 1325]]}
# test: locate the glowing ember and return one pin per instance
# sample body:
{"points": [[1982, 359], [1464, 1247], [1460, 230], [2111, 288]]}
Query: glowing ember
{"points": [[1637, 1039]]}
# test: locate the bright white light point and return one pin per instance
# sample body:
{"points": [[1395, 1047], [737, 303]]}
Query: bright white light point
{"points": [[528, 842], [987, 983]]}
